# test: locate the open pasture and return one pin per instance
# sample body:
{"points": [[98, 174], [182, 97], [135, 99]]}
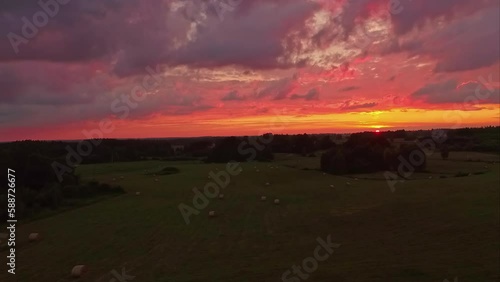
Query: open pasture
{"points": [[427, 230]]}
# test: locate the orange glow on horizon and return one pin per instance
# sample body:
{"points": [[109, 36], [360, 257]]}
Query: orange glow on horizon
{"points": [[220, 125]]}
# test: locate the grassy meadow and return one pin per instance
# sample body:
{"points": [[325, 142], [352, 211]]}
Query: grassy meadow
{"points": [[435, 226]]}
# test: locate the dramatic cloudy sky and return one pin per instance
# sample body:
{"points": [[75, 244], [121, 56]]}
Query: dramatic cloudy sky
{"points": [[244, 67]]}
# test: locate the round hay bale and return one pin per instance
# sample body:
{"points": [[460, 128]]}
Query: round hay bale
{"points": [[156, 180], [78, 271], [137, 193], [257, 170], [263, 198], [348, 183], [430, 177], [221, 196], [114, 179], [211, 213], [276, 201], [267, 183], [33, 237], [332, 186], [121, 177]]}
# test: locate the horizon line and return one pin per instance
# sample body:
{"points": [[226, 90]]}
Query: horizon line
{"points": [[221, 136]]}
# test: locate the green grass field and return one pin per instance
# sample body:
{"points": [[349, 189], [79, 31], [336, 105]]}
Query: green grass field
{"points": [[427, 230]]}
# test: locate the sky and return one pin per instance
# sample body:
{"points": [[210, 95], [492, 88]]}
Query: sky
{"points": [[76, 69]]}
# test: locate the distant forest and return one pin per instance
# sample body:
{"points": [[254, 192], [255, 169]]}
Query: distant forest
{"points": [[45, 170], [483, 139]]}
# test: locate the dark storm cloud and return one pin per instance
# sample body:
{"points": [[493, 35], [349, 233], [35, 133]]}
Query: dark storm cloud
{"points": [[311, 95], [465, 44], [352, 105], [348, 88], [233, 96], [252, 39], [451, 91]]}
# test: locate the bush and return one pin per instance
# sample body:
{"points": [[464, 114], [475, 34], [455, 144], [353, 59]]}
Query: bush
{"points": [[29, 202], [360, 159], [334, 161], [413, 155], [366, 153], [461, 174], [391, 158], [169, 170], [50, 197], [445, 152], [226, 150], [240, 150], [71, 191]]}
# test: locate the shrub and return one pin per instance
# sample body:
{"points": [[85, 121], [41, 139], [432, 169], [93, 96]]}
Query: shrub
{"points": [[226, 150], [365, 153], [461, 174], [239, 150], [413, 155], [360, 159], [50, 196], [169, 170], [445, 152], [334, 161], [71, 191]]}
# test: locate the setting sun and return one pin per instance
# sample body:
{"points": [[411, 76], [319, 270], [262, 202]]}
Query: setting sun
{"points": [[248, 140]]}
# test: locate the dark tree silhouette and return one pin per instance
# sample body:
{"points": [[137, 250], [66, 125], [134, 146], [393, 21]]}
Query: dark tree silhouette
{"points": [[445, 152]]}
